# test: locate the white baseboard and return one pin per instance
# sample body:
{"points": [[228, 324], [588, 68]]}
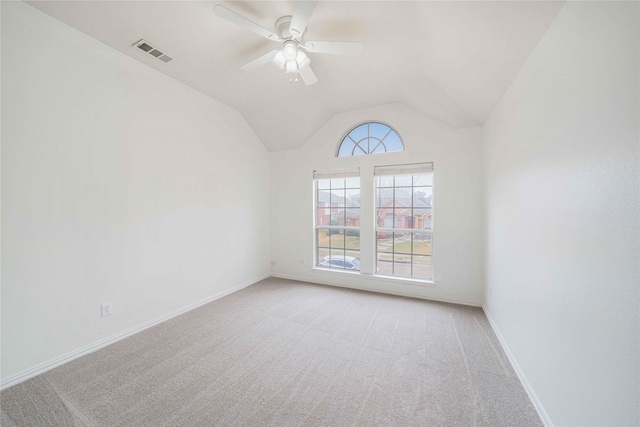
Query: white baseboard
{"points": [[383, 291], [60, 360], [521, 376]]}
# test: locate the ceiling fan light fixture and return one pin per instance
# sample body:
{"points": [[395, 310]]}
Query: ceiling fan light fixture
{"points": [[279, 59], [291, 67], [290, 50], [298, 61], [302, 60]]}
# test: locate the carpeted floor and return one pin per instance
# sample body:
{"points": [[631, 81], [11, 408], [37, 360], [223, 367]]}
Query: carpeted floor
{"points": [[284, 353]]}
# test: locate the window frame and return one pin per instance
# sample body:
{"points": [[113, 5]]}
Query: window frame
{"points": [[393, 171], [369, 255], [330, 175], [346, 134]]}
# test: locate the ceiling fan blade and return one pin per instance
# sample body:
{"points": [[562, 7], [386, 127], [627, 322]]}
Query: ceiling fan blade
{"points": [[308, 76], [259, 62], [240, 20], [336, 48], [301, 14]]}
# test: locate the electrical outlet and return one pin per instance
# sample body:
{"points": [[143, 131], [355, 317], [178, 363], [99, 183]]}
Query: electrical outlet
{"points": [[107, 309]]}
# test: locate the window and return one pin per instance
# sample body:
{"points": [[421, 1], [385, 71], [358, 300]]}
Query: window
{"points": [[370, 138], [337, 222], [404, 205]]}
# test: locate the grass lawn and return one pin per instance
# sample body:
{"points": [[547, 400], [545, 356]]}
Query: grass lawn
{"points": [[339, 241], [420, 247]]}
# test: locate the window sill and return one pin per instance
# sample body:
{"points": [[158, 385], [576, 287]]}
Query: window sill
{"points": [[405, 280], [339, 271], [381, 278]]}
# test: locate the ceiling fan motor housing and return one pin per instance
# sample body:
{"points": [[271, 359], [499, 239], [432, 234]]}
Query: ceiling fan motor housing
{"points": [[282, 29]]}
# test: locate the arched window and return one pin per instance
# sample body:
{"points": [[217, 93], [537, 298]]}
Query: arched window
{"points": [[370, 138]]}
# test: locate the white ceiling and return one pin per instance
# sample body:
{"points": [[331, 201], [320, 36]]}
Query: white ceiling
{"points": [[452, 60]]}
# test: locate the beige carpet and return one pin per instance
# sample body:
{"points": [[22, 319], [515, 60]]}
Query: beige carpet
{"points": [[284, 353]]}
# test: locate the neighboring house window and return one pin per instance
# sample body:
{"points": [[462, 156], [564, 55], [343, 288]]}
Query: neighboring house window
{"points": [[337, 227], [404, 206], [370, 138]]}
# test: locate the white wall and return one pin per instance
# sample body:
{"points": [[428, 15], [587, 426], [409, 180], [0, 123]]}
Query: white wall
{"points": [[458, 209], [119, 185], [563, 252]]}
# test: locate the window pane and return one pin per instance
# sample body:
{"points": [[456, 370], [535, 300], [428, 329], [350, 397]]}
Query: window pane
{"points": [[337, 239], [337, 217], [403, 218], [384, 197], [352, 240], [414, 220], [352, 182], [337, 183], [322, 238], [352, 260], [410, 220], [335, 259], [353, 198], [421, 244], [346, 147], [323, 216], [377, 147], [322, 254], [385, 242], [361, 149], [381, 215], [402, 243], [402, 198], [402, 265], [425, 179], [421, 267], [385, 218], [323, 184], [324, 197], [385, 181], [337, 198], [378, 130], [399, 216], [385, 264], [421, 197], [403, 181], [425, 224], [393, 142], [352, 217], [360, 133]]}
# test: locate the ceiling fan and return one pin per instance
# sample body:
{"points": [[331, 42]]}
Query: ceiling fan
{"points": [[290, 31]]}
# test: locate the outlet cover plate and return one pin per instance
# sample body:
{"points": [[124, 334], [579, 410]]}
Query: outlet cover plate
{"points": [[106, 309]]}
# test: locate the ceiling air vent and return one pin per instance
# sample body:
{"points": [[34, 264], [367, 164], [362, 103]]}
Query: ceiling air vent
{"points": [[149, 49]]}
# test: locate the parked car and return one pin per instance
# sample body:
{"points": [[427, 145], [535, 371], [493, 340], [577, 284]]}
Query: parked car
{"points": [[339, 261]]}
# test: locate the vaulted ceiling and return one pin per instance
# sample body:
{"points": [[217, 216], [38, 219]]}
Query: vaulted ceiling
{"points": [[452, 60]]}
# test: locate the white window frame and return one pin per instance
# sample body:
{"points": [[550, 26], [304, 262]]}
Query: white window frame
{"points": [[404, 170], [318, 175], [368, 230]]}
